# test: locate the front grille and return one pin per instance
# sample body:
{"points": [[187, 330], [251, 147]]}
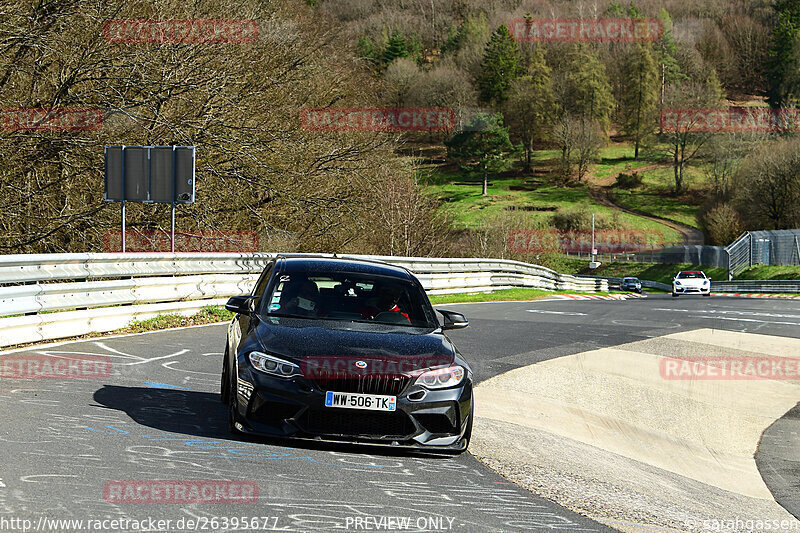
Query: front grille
{"points": [[357, 424], [385, 384]]}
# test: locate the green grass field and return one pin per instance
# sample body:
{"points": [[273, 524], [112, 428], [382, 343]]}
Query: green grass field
{"points": [[655, 196], [500, 296], [538, 194], [651, 271], [665, 273]]}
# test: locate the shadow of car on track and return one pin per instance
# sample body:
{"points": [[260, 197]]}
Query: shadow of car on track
{"points": [[201, 414]]}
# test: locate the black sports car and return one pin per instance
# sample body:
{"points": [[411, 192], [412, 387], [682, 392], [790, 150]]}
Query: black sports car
{"points": [[345, 350]]}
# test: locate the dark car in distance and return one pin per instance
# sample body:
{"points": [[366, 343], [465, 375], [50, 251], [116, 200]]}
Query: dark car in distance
{"points": [[631, 284], [335, 349]]}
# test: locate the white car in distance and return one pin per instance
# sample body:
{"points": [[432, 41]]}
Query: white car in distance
{"points": [[691, 282]]}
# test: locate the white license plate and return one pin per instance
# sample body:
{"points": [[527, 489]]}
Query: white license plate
{"points": [[369, 402]]}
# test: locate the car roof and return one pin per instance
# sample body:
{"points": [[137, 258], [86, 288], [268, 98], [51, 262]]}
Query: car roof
{"points": [[323, 264]]}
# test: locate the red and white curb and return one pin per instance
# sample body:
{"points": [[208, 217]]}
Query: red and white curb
{"points": [[748, 295], [598, 296]]}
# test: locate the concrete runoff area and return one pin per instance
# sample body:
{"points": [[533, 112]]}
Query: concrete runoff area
{"points": [[608, 434]]}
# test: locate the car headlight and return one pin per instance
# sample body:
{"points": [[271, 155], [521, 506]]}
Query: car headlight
{"points": [[678, 283], [269, 364], [441, 378], [705, 283]]}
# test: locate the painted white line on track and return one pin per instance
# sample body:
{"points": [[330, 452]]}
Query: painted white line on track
{"points": [[733, 319], [181, 352], [722, 312], [544, 312]]}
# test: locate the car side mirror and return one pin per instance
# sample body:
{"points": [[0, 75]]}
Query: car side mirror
{"points": [[243, 305], [453, 320]]}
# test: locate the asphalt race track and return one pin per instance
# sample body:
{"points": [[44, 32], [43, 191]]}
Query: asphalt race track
{"points": [[158, 417]]}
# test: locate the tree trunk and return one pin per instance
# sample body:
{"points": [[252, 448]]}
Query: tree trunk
{"points": [[528, 154], [675, 165], [485, 181], [661, 98]]}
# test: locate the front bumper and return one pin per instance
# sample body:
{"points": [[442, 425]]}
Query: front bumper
{"points": [[295, 408], [691, 289]]}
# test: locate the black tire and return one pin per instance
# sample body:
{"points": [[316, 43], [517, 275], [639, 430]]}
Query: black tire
{"points": [[233, 414], [708, 294], [674, 294], [224, 380]]}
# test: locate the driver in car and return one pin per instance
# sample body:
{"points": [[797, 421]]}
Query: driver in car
{"points": [[387, 303], [304, 301]]}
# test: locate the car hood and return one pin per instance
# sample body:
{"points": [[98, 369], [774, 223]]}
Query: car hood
{"points": [[303, 343], [691, 282]]}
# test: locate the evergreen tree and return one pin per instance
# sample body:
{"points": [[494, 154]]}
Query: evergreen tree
{"points": [[501, 66], [586, 91], [531, 104], [400, 46], [366, 49], [483, 147], [473, 29], [783, 76], [640, 94], [666, 49]]}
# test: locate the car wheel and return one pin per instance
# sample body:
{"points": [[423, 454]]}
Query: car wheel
{"points": [[225, 380], [707, 294], [233, 412], [674, 294]]}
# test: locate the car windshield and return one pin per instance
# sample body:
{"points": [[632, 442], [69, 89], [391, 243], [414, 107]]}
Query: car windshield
{"points": [[350, 297], [689, 275], [631, 280]]}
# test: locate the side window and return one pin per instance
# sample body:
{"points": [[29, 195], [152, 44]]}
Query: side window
{"points": [[261, 285]]}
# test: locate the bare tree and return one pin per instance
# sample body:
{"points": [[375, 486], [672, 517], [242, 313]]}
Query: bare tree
{"points": [[402, 79], [684, 135], [580, 140], [258, 168], [767, 186]]}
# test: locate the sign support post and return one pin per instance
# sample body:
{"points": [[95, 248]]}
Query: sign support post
{"points": [[172, 226], [123, 198], [150, 174]]}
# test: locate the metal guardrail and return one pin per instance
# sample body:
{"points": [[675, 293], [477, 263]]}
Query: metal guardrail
{"points": [[749, 286], [646, 283], [741, 286], [52, 296]]}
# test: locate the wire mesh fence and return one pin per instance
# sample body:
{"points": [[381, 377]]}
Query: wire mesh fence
{"points": [[766, 247]]}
